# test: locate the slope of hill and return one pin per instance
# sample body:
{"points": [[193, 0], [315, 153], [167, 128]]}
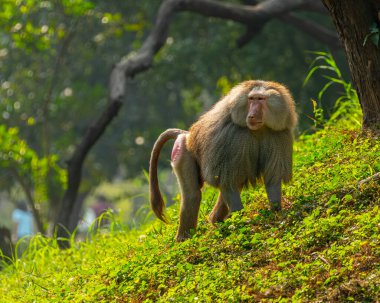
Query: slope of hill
{"points": [[323, 247]]}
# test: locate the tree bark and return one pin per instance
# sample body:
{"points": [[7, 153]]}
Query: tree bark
{"points": [[65, 225], [353, 20]]}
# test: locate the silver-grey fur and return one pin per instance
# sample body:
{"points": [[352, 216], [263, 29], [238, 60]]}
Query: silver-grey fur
{"points": [[246, 136]]}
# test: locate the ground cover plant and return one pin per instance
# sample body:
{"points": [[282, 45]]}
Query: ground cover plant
{"points": [[323, 247]]}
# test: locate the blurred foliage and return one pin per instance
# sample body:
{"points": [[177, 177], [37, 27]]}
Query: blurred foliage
{"points": [[19, 163], [55, 60]]}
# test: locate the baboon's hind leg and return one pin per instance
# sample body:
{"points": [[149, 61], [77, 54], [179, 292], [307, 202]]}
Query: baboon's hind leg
{"points": [[187, 172]]}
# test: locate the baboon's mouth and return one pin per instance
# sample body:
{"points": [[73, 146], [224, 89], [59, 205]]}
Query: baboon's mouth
{"points": [[255, 125]]}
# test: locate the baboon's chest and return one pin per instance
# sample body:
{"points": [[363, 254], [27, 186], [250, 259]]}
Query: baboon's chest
{"points": [[232, 158]]}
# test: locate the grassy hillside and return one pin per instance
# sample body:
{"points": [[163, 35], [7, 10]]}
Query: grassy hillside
{"points": [[323, 247]]}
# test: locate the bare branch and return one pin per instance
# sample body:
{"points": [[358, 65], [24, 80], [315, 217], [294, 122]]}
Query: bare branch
{"points": [[314, 30], [369, 179], [223, 10], [255, 17], [275, 8], [143, 59], [314, 6], [246, 14]]}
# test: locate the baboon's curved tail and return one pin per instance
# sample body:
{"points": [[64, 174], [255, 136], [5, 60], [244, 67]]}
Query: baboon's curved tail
{"points": [[156, 201]]}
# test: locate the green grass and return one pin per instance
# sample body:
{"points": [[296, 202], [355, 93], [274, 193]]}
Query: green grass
{"points": [[323, 247]]}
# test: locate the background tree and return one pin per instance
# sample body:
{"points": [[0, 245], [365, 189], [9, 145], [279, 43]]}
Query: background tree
{"points": [[358, 26]]}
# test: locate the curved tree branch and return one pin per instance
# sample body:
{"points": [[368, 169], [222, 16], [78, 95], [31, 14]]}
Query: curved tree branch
{"points": [[314, 30], [256, 16], [315, 6]]}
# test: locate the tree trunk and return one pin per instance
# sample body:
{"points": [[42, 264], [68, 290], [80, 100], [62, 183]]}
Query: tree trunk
{"points": [[353, 20], [66, 224]]}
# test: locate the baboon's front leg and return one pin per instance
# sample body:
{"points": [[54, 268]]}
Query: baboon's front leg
{"points": [[220, 211], [274, 195], [232, 199]]}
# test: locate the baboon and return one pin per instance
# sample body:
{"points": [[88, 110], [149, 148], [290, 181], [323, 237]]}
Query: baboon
{"points": [[247, 135]]}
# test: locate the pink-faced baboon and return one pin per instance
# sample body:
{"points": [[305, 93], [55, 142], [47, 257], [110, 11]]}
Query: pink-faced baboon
{"points": [[245, 136]]}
